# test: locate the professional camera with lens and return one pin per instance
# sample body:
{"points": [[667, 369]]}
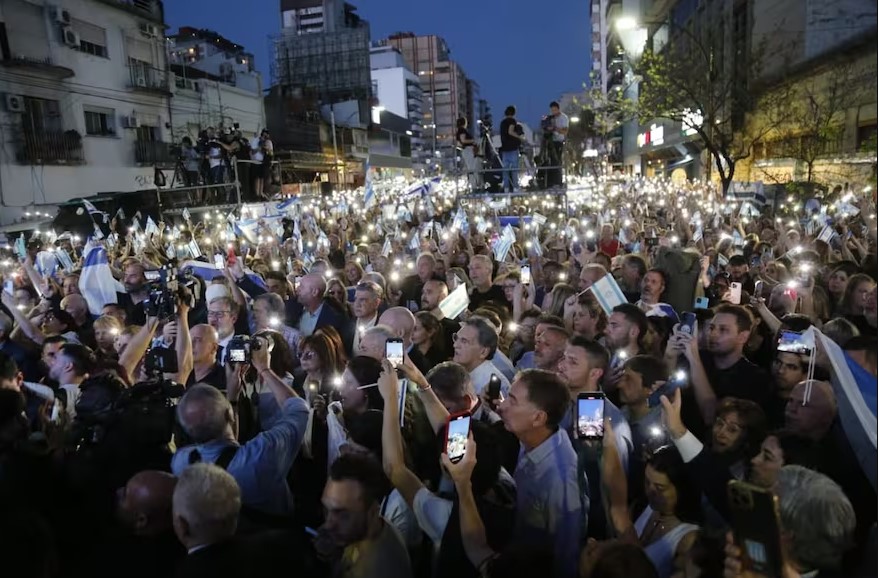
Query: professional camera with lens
{"points": [[240, 348], [161, 303], [547, 124], [160, 360]]}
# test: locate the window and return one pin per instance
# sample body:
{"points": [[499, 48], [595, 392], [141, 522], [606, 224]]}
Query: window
{"points": [[100, 122], [92, 39], [41, 115], [867, 137]]}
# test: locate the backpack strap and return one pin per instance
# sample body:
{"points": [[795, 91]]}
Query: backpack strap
{"points": [[225, 458]]}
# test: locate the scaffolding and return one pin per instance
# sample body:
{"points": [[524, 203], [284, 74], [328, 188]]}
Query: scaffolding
{"points": [[333, 64]]}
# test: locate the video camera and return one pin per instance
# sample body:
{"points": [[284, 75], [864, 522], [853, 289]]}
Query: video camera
{"points": [[167, 291], [547, 125], [240, 349], [160, 360]]}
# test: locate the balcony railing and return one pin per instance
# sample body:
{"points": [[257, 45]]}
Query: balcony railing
{"points": [[148, 78], [145, 8], [153, 152], [50, 148]]}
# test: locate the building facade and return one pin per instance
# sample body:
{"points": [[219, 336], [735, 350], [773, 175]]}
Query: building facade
{"points": [[444, 86], [398, 90], [86, 93]]}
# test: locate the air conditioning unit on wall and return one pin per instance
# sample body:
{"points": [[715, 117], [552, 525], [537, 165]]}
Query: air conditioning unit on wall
{"points": [[70, 37], [130, 121], [60, 15], [14, 103]]}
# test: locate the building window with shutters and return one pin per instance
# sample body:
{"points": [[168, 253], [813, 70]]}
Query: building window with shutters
{"points": [[100, 122], [92, 39]]}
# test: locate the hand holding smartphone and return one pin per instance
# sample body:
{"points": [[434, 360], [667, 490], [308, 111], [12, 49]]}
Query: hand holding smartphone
{"points": [[393, 352], [687, 322], [735, 293], [456, 434], [590, 416], [493, 389], [525, 275]]}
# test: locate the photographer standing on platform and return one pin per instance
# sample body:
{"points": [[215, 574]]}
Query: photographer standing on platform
{"points": [[555, 127], [511, 137], [467, 151]]}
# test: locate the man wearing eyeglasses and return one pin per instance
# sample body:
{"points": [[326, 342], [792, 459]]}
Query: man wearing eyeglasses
{"points": [[222, 315], [367, 300]]}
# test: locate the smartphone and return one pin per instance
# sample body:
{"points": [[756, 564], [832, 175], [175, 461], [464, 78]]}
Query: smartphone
{"points": [[755, 261], [702, 303], [456, 434], [591, 246], [756, 526], [152, 275], [652, 242], [494, 387], [687, 322], [525, 275], [793, 342], [590, 415], [219, 262], [9, 286], [296, 282], [757, 288], [577, 248], [393, 351], [735, 291]]}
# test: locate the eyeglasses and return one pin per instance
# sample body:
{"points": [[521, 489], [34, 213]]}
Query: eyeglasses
{"points": [[216, 314], [307, 355]]}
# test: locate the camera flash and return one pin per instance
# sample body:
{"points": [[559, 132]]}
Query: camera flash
{"points": [[680, 375]]}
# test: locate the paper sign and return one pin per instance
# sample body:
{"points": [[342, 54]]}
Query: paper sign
{"points": [[194, 249], [186, 214], [20, 247], [698, 234], [608, 293], [456, 303], [826, 234], [539, 219], [387, 249], [64, 260]]}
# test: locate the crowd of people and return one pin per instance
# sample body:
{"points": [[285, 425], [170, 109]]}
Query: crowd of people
{"points": [[212, 397]]}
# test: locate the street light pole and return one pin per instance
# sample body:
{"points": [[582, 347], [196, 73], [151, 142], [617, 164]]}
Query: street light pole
{"points": [[334, 142]]}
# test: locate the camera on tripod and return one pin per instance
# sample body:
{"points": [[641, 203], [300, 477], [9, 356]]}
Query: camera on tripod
{"points": [[547, 125]]}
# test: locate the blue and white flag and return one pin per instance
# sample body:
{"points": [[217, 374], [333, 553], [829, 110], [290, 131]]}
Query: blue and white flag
{"points": [[752, 192], [608, 293], [208, 272], [662, 310], [92, 210], [855, 394], [96, 282]]}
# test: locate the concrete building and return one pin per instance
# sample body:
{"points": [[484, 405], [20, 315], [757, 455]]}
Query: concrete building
{"points": [[193, 49], [599, 33], [86, 93], [398, 91], [444, 85]]}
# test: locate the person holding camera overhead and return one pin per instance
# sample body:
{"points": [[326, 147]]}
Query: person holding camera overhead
{"points": [[260, 466]]}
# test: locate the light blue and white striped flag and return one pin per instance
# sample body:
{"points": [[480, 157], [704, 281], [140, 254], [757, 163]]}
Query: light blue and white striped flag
{"points": [[96, 282], [608, 293], [369, 192]]}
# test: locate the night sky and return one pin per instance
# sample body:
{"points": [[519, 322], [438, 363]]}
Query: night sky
{"points": [[521, 52]]}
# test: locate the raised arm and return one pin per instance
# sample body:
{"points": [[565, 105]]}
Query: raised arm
{"points": [[391, 438], [436, 412], [138, 346]]}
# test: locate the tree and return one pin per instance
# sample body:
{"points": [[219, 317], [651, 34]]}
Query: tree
{"points": [[689, 75], [815, 123]]}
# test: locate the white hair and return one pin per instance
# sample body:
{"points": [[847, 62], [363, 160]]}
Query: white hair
{"points": [[209, 499], [384, 331], [818, 515]]}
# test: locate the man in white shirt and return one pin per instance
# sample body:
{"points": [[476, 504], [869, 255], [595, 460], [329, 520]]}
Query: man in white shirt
{"points": [[367, 300], [474, 345], [559, 127]]}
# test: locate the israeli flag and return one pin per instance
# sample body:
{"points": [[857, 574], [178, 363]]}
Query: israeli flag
{"points": [[96, 282], [208, 272], [92, 210]]}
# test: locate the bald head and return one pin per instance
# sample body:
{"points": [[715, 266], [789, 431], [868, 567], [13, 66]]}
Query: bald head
{"points": [[401, 321], [311, 290], [76, 306], [205, 342], [810, 412], [144, 504]]}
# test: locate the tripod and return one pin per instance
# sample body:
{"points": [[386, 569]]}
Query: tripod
{"points": [[492, 175]]}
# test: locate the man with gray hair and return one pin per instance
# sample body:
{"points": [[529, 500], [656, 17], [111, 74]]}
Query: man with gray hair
{"points": [[318, 311], [367, 301], [269, 312], [481, 272], [474, 346], [206, 506], [260, 465], [373, 339]]}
